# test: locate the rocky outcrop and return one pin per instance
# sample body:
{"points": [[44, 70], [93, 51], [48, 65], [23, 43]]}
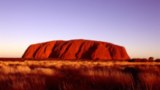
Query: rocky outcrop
{"points": [[76, 49]]}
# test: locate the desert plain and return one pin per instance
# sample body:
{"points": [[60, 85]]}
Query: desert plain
{"points": [[79, 75]]}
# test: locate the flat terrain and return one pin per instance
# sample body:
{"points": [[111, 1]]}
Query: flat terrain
{"points": [[79, 75]]}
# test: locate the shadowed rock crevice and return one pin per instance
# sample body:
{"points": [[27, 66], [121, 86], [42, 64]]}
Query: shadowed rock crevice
{"points": [[78, 54], [65, 53], [38, 50], [76, 49], [55, 52], [88, 54]]}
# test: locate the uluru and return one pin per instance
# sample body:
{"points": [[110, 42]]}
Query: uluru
{"points": [[78, 49]]}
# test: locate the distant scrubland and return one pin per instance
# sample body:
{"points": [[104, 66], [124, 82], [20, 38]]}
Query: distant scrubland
{"points": [[79, 75]]}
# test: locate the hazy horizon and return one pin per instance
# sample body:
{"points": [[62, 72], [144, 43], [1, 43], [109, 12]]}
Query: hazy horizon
{"points": [[134, 24]]}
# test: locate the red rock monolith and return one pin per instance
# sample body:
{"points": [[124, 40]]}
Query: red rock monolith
{"points": [[76, 50]]}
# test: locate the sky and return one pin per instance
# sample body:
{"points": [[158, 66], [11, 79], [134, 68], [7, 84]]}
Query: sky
{"points": [[134, 24]]}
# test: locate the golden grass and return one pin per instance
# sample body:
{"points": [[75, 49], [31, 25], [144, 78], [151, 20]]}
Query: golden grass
{"points": [[79, 75]]}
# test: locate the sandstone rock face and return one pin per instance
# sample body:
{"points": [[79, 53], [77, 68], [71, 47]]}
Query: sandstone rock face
{"points": [[76, 49]]}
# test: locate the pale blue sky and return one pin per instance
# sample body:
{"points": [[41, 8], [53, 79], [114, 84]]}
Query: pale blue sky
{"points": [[134, 24]]}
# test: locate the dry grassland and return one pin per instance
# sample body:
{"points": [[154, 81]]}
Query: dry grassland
{"points": [[79, 75]]}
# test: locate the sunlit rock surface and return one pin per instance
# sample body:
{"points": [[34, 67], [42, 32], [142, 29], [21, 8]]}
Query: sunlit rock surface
{"points": [[76, 50]]}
